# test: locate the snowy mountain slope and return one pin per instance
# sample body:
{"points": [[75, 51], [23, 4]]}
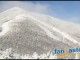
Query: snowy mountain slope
{"points": [[69, 27], [33, 37], [27, 32], [8, 14]]}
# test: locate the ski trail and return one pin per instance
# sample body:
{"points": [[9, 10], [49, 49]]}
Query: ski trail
{"points": [[5, 28], [49, 33], [67, 36]]}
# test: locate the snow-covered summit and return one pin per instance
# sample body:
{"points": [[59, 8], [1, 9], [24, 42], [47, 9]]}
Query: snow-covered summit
{"points": [[10, 13]]}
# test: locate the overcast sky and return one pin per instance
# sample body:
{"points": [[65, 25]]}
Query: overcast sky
{"points": [[66, 10]]}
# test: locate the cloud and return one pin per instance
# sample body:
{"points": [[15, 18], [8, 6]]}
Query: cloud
{"points": [[74, 19], [30, 6], [36, 7]]}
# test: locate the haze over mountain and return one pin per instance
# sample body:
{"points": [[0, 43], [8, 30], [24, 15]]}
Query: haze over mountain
{"points": [[27, 32]]}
